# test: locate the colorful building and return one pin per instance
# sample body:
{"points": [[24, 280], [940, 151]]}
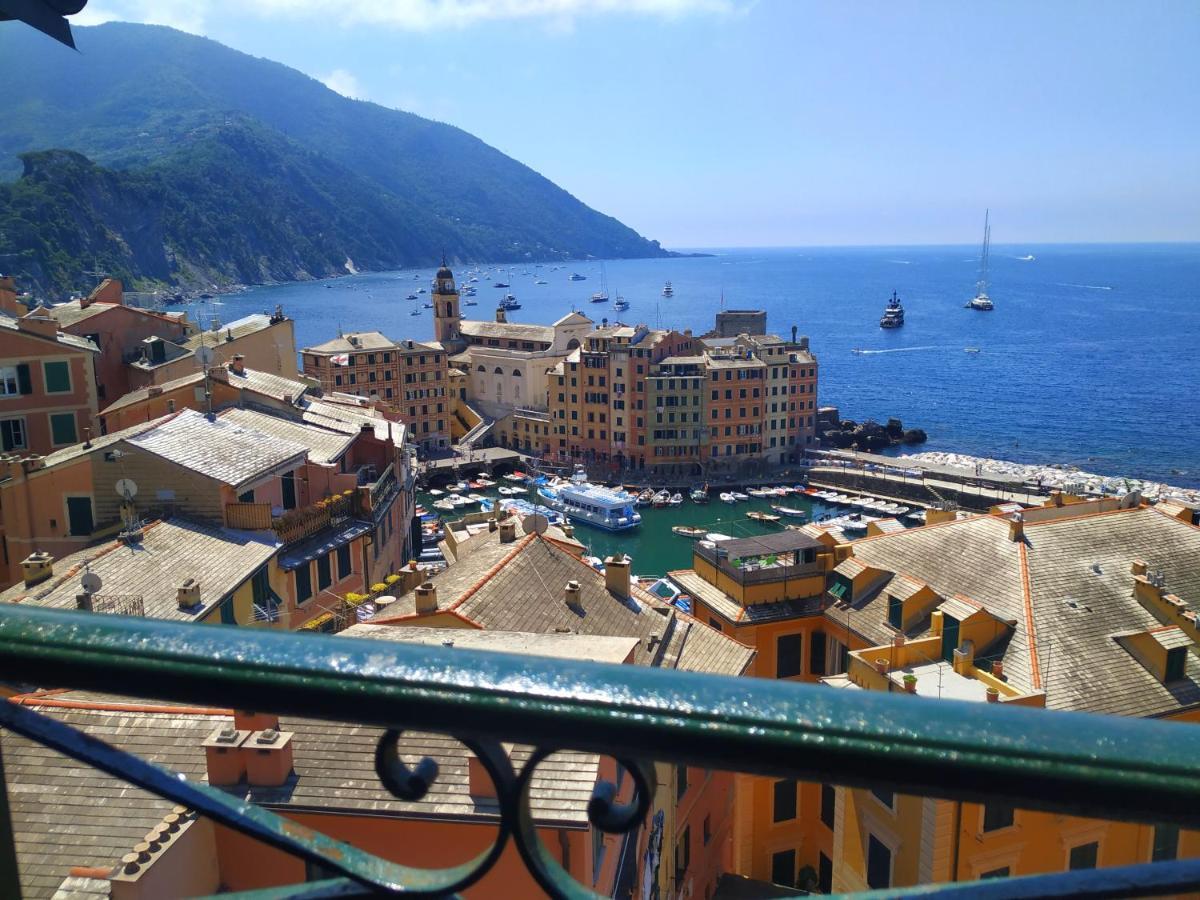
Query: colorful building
{"points": [[48, 395], [1085, 607]]}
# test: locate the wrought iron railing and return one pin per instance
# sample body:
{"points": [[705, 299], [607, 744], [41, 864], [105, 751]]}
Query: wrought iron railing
{"points": [[1103, 767]]}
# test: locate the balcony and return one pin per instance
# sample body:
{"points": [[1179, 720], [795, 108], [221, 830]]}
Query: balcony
{"points": [[297, 524], [1057, 762]]}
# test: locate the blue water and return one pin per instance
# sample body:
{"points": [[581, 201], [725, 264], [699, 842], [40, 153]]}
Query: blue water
{"points": [[1089, 357]]}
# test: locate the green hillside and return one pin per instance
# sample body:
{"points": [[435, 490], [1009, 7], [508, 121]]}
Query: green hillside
{"points": [[213, 165]]}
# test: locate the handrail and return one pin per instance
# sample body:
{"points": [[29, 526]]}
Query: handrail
{"points": [[1058, 761], [1035, 759]]}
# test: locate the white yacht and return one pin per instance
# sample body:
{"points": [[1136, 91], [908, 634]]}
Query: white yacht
{"points": [[981, 301]]}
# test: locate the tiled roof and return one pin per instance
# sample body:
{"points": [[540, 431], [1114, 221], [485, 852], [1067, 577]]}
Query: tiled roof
{"points": [[903, 586], [508, 331], [325, 447], [347, 419], [519, 586], [1080, 593], [960, 608], [1171, 637], [238, 328], [251, 381], [367, 340], [690, 582], [594, 648], [62, 337], [67, 454], [221, 449], [168, 552], [66, 814], [573, 318], [73, 311]]}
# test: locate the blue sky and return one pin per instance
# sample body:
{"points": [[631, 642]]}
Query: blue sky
{"points": [[784, 122]]}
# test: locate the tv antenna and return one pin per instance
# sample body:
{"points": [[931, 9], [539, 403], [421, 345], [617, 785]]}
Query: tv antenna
{"points": [[127, 489]]}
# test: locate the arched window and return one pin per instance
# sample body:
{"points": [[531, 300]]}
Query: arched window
{"points": [[516, 373], [480, 369], [499, 371], [572, 344]]}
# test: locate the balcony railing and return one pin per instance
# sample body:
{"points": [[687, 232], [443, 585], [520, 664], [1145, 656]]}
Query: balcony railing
{"points": [[1105, 767], [248, 516], [298, 524], [757, 571]]}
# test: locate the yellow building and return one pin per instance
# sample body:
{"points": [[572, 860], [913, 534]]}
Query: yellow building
{"points": [[1075, 606]]}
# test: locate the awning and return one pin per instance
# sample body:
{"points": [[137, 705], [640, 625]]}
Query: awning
{"points": [[320, 545]]}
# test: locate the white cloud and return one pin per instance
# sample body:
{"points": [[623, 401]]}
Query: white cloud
{"points": [[411, 15], [344, 83]]}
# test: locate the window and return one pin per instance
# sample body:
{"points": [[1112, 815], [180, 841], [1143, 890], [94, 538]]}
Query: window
{"points": [[683, 853], [324, 574], [343, 559], [784, 807], [227, 616], [303, 583], [879, 863], [997, 816], [895, 612], [887, 798], [12, 434], [828, 804], [246, 496], [79, 516], [787, 655], [825, 874], [783, 867], [1166, 843], [288, 485], [58, 377], [1084, 856], [1001, 872], [816, 653], [681, 781], [1176, 663], [62, 430], [14, 380]]}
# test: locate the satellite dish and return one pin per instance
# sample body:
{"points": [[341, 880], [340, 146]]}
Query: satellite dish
{"points": [[91, 582], [127, 488], [205, 355], [535, 524]]}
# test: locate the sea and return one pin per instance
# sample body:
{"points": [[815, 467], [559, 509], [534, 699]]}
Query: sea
{"points": [[1089, 358]]}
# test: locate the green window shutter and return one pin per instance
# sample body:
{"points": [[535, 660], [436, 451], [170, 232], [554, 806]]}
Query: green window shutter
{"points": [[1176, 663], [58, 377], [62, 428], [838, 589], [227, 617], [24, 383], [303, 583], [895, 612]]}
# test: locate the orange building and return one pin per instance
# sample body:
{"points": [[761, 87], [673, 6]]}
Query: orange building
{"points": [[48, 393], [285, 765], [498, 579], [409, 377]]}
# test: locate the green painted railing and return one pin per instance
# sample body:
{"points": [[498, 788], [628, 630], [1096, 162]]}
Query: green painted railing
{"points": [[1104, 767]]}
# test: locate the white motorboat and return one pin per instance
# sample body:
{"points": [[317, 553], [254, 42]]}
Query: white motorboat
{"points": [[727, 497], [676, 500], [738, 495], [434, 492], [789, 511]]}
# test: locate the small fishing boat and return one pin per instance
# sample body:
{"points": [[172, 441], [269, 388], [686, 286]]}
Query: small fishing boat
{"points": [[434, 492], [756, 516], [738, 495], [447, 505], [676, 500], [716, 537], [760, 492], [411, 297], [662, 498], [727, 497], [699, 495], [646, 497], [688, 531], [540, 281], [510, 491], [485, 482], [790, 512], [519, 477]]}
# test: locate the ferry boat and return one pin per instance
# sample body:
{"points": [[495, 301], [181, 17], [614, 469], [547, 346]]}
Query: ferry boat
{"points": [[893, 315], [981, 301], [592, 505], [575, 276], [667, 290]]}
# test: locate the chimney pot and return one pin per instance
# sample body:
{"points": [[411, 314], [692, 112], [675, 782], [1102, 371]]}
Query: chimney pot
{"points": [[37, 567], [268, 756], [573, 595], [998, 668], [426, 598], [993, 695], [1016, 528], [225, 762], [616, 575], [508, 531], [1138, 567], [188, 593]]}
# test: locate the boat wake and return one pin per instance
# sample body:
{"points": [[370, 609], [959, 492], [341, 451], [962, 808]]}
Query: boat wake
{"points": [[1090, 287], [862, 352], [901, 262]]}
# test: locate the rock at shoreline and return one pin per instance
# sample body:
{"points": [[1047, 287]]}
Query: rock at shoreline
{"points": [[867, 435]]}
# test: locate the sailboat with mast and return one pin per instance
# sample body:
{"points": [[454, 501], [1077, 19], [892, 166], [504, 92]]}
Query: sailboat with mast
{"points": [[981, 301], [601, 296]]}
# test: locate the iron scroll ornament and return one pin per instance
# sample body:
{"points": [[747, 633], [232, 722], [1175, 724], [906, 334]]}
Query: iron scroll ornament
{"points": [[378, 876], [516, 819]]}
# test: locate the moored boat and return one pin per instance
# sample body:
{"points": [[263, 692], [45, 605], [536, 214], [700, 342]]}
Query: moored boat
{"points": [[790, 512], [757, 516], [688, 531]]}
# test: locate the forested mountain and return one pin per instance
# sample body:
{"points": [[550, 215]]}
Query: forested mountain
{"points": [[193, 163]]}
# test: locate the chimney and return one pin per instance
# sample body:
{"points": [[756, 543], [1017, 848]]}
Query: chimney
{"points": [[37, 567], [998, 668], [804, 342], [964, 658], [222, 754], [254, 721], [567, 529], [500, 316], [899, 639], [144, 873], [493, 524], [268, 757], [1056, 498], [426, 596], [188, 593], [573, 595], [616, 575], [1016, 528], [155, 390], [1138, 567], [238, 365], [508, 531], [479, 783], [39, 322]]}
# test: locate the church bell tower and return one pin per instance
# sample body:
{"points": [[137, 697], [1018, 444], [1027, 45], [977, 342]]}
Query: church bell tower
{"points": [[446, 314]]}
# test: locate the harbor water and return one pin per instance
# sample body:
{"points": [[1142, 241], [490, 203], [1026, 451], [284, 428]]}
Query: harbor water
{"points": [[1087, 359]]}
